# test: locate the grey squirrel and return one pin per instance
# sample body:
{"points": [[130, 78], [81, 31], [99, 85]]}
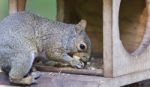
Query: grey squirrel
{"points": [[24, 36]]}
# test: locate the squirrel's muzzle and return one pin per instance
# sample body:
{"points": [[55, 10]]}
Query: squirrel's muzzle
{"points": [[84, 57]]}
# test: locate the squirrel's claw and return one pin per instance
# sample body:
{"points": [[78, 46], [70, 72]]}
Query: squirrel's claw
{"points": [[24, 81]]}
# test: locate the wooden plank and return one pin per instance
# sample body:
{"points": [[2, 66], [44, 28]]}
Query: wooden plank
{"points": [[107, 38], [64, 83], [49, 79], [12, 6]]}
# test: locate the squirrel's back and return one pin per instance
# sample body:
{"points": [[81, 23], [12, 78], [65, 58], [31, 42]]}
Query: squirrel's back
{"points": [[27, 24], [26, 27]]}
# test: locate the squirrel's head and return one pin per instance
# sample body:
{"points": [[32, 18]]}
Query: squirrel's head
{"points": [[82, 42]]}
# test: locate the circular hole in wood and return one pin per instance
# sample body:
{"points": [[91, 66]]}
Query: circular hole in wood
{"points": [[132, 23]]}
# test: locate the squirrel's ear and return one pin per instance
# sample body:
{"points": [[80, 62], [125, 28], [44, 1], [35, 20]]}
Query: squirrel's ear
{"points": [[81, 26]]}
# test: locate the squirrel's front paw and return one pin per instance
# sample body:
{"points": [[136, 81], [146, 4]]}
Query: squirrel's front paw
{"points": [[36, 74], [77, 63]]}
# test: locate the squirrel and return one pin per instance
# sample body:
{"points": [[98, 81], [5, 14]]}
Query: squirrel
{"points": [[24, 36]]}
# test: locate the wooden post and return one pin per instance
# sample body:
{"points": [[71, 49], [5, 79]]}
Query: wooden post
{"points": [[60, 10], [21, 5], [107, 38], [12, 6], [16, 5]]}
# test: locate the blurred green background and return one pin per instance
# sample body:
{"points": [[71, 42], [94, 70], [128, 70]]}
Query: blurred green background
{"points": [[46, 8]]}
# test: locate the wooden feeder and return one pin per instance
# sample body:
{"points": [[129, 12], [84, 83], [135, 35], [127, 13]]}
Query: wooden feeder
{"points": [[119, 30]]}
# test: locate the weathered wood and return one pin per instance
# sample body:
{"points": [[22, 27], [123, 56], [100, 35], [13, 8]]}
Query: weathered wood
{"points": [[49, 79], [12, 6], [96, 72], [120, 61], [107, 38], [123, 61]]}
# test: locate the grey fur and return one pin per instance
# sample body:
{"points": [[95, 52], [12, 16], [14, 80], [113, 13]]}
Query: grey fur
{"points": [[25, 36]]}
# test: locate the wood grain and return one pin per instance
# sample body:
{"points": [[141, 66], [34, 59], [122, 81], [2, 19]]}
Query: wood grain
{"points": [[107, 39], [96, 72]]}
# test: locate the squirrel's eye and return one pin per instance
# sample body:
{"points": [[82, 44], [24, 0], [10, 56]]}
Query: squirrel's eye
{"points": [[82, 46]]}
